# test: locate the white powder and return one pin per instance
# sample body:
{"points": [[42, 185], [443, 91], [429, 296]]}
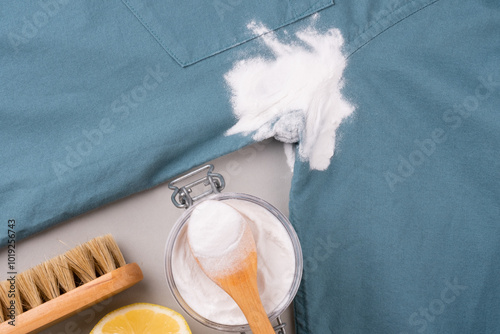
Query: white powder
{"points": [[214, 229], [275, 267], [215, 232], [295, 97]]}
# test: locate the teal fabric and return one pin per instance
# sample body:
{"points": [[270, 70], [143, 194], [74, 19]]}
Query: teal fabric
{"points": [[192, 33], [400, 235], [94, 109]]}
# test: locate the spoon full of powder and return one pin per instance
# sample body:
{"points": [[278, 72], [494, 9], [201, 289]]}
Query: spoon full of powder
{"points": [[222, 243]]}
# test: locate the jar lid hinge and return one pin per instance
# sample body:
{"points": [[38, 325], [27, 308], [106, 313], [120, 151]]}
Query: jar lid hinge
{"points": [[182, 196]]}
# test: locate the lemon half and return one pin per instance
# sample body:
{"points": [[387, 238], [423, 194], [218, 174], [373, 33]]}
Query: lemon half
{"points": [[142, 318]]}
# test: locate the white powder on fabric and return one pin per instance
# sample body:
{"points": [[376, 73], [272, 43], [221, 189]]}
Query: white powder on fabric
{"points": [[215, 232], [275, 268], [296, 96]]}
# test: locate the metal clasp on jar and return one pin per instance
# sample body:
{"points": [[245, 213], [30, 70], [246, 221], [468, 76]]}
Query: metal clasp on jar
{"points": [[182, 197], [279, 328]]}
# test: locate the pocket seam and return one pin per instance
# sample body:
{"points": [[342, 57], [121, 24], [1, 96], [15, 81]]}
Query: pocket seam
{"points": [[376, 28], [151, 31], [308, 11]]}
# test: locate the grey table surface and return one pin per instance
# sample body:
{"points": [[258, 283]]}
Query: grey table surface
{"points": [[141, 224]]}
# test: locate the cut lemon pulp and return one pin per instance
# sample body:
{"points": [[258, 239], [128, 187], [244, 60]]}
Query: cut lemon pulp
{"points": [[142, 318]]}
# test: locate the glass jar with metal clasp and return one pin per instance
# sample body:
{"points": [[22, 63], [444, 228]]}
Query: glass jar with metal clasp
{"points": [[211, 185]]}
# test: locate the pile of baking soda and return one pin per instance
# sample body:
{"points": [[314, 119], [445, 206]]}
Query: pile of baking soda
{"points": [[294, 96], [215, 235]]}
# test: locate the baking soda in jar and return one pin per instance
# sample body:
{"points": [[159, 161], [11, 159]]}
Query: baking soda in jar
{"points": [[279, 263]]}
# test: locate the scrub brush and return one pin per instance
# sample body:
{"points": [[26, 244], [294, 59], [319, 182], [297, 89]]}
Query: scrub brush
{"points": [[60, 287]]}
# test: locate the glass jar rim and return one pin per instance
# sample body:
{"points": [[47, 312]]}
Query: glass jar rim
{"points": [[179, 224]]}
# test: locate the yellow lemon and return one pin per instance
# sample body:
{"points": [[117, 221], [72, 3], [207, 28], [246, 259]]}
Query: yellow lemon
{"points": [[142, 318]]}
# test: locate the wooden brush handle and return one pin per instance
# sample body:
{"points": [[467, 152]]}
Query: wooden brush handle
{"points": [[74, 301]]}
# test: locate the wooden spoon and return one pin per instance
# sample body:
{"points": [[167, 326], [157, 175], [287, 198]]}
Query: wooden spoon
{"points": [[239, 279]]}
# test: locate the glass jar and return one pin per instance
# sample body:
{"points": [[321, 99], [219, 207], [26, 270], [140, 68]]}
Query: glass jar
{"points": [[216, 182]]}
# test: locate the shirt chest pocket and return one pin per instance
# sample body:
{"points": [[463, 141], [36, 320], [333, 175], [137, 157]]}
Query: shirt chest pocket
{"points": [[191, 31]]}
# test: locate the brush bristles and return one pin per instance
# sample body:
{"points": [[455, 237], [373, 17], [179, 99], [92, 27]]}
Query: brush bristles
{"points": [[28, 290], [6, 296], [4, 299], [113, 249], [59, 275], [46, 281], [104, 262], [81, 262], [62, 272]]}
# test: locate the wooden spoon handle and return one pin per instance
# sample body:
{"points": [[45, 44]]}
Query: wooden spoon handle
{"points": [[241, 284], [245, 292], [256, 316]]}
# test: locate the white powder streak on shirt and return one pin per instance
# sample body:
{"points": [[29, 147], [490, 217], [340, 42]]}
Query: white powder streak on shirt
{"points": [[275, 269], [295, 97]]}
